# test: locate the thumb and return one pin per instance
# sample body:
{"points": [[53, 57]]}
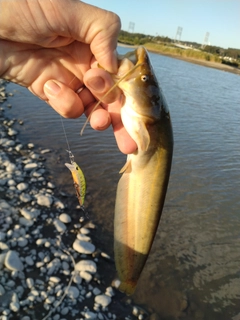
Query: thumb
{"points": [[98, 28]]}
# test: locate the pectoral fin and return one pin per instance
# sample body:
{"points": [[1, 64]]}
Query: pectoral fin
{"points": [[137, 129], [127, 166], [143, 136]]}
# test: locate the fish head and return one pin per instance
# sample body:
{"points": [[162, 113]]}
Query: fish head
{"points": [[140, 85]]}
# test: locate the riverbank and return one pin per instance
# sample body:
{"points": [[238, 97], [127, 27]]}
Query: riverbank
{"points": [[209, 64], [51, 264]]}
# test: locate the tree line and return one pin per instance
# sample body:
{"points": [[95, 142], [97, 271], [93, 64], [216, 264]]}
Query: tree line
{"points": [[140, 39]]}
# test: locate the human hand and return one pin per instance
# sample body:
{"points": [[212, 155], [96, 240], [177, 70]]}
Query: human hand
{"points": [[51, 47]]}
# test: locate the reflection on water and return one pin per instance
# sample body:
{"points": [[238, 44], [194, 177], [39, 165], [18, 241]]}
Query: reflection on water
{"points": [[193, 270]]}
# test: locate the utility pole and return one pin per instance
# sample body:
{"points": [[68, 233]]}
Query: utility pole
{"points": [[205, 41], [131, 27], [178, 34]]}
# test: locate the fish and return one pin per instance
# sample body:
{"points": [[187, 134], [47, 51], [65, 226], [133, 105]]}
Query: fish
{"points": [[79, 180], [142, 187]]}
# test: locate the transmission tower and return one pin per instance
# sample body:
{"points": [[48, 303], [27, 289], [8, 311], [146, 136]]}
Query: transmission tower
{"points": [[131, 27], [205, 41], [178, 34]]}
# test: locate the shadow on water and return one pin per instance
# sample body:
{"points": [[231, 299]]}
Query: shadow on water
{"points": [[193, 269]]}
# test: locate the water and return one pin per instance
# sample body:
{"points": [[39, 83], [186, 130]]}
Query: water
{"points": [[194, 267]]}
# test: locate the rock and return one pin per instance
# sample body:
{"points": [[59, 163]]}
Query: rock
{"points": [[50, 185], [83, 247], [12, 261], [11, 167], [55, 280], [3, 246], [30, 145], [25, 197], [84, 230], [86, 276], [90, 315], [65, 218], [30, 166], [86, 265], [2, 259], [11, 182], [12, 132], [83, 237], [44, 200], [2, 290], [96, 291], [73, 292], [24, 222], [59, 225], [22, 242], [27, 214], [103, 300], [22, 186], [59, 204], [45, 151], [29, 261], [14, 306]]}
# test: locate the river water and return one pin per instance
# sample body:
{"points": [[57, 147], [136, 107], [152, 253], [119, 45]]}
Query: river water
{"points": [[193, 271]]}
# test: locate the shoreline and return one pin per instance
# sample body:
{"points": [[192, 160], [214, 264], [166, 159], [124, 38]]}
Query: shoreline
{"points": [[49, 249], [209, 64]]}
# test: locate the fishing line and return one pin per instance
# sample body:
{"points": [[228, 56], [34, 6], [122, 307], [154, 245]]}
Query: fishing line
{"points": [[71, 156]]}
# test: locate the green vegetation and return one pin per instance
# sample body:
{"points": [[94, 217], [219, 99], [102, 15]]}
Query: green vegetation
{"points": [[192, 50]]}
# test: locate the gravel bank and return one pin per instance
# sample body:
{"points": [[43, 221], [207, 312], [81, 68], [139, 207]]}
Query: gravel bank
{"points": [[50, 267]]}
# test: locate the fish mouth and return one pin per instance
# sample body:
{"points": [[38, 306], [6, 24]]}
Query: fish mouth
{"points": [[131, 62]]}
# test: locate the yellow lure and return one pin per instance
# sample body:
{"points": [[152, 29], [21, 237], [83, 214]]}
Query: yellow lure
{"points": [[79, 181]]}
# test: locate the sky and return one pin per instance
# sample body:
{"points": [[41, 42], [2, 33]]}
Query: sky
{"points": [[221, 18]]}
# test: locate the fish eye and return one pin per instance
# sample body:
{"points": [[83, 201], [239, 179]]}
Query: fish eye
{"points": [[144, 78], [76, 168]]}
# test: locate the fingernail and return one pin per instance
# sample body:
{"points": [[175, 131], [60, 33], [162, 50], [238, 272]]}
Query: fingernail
{"points": [[51, 88], [96, 83]]}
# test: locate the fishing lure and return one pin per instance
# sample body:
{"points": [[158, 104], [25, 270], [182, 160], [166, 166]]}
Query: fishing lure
{"points": [[79, 181]]}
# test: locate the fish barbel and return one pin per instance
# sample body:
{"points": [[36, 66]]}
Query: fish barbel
{"points": [[142, 188]]}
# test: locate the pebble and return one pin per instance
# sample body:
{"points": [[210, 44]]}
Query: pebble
{"points": [[25, 222], [25, 197], [22, 186], [96, 291], [30, 166], [12, 132], [14, 306], [29, 282], [86, 276], [27, 213], [2, 290], [65, 218], [12, 261], [73, 292], [45, 151], [11, 167], [59, 226], [103, 300], [50, 185], [11, 182], [86, 265], [22, 242], [84, 230], [90, 315], [44, 200], [83, 247]]}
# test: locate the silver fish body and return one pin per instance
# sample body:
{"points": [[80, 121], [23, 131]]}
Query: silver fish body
{"points": [[142, 188]]}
